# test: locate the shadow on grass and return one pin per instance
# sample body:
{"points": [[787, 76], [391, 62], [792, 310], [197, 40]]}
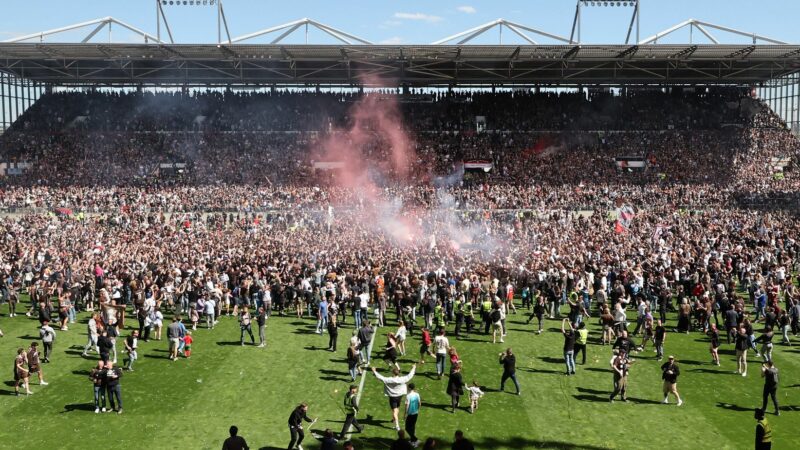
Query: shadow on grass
{"points": [[552, 360], [597, 369], [78, 407], [591, 398], [690, 362], [80, 372], [237, 343], [156, 356], [541, 371], [704, 370], [733, 407], [526, 443]]}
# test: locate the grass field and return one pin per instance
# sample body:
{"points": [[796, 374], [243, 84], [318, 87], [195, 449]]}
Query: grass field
{"points": [[191, 403]]}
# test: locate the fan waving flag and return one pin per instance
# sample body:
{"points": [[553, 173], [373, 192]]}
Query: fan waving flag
{"points": [[624, 218]]}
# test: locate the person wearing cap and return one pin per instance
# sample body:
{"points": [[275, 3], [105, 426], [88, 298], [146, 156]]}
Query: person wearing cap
{"points": [[351, 409], [669, 373]]}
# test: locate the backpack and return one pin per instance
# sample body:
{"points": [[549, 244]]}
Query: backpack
{"points": [[495, 315]]}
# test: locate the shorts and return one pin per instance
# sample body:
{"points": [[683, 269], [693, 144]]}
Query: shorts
{"points": [[670, 387], [394, 402], [497, 326], [34, 369], [173, 342], [424, 348]]}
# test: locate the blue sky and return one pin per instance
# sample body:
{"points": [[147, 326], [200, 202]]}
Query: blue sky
{"points": [[405, 22]]}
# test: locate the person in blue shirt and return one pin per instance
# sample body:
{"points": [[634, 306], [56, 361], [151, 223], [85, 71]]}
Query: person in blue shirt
{"points": [[412, 413], [322, 314]]}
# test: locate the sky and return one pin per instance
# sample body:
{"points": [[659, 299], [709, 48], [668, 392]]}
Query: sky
{"points": [[405, 22]]}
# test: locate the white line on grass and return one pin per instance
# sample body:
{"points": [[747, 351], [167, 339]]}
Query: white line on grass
{"points": [[363, 378]]}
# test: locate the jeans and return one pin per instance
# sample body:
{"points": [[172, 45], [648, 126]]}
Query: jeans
{"points": [[569, 359], [766, 351], [786, 329], [115, 391], [92, 343], [132, 356], [353, 371], [770, 392], [210, 320], [322, 324], [248, 330], [440, 363], [297, 437], [357, 317], [348, 421], [505, 377], [48, 349], [71, 314], [262, 335], [99, 396]]}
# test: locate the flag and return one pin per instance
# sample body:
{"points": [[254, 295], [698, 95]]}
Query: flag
{"points": [[624, 218]]}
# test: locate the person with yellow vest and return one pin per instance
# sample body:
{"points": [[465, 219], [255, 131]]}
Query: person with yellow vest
{"points": [[763, 431]]}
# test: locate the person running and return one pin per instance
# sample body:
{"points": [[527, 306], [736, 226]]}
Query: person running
{"points": [[475, 394], [235, 442], [21, 373], [34, 363], [411, 415], [97, 375], [455, 387], [296, 426], [770, 374], [390, 351], [620, 365], [441, 344], [569, 346], [669, 373], [509, 362], [395, 388], [350, 409], [763, 431], [425, 345], [131, 344], [245, 326], [400, 335], [113, 388]]}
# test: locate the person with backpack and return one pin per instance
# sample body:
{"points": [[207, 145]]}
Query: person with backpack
{"points": [[48, 335], [496, 319]]}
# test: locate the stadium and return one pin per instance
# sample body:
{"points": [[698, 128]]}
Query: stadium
{"points": [[507, 237]]}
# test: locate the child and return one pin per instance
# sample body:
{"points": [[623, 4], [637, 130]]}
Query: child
{"points": [[187, 341], [454, 359], [425, 345], [194, 316], [475, 393]]}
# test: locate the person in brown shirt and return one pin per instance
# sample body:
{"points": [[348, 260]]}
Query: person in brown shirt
{"points": [[35, 363]]}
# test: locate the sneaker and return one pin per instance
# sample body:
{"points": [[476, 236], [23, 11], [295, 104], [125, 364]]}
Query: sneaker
{"points": [[104, 409], [299, 447], [744, 374], [44, 383], [665, 402], [680, 402], [120, 411], [97, 410]]}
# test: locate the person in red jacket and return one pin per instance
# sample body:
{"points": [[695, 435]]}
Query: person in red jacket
{"points": [[425, 346]]}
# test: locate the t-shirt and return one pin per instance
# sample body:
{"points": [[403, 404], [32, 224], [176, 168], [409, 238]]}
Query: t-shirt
{"points": [[441, 343], [771, 377], [413, 401], [235, 443], [174, 330]]}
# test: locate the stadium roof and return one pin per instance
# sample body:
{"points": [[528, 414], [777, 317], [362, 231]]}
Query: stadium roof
{"points": [[415, 65]]}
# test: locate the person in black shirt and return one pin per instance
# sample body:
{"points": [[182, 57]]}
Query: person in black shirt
{"points": [[509, 362], [770, 374], [455, 386], [669, 373], [261, 319], [742, 344], [659, 336], [714, 335], [235, 442], [569, 346], [105, 345], [296, 426], [461, 443], [333, 334], [114, 391]]}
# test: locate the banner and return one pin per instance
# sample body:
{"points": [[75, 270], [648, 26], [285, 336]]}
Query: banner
{"points": [[624, 219]]}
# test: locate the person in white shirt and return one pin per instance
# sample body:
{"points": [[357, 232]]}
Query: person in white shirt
{"points": [[395, 387], [400, 335], [209, 309], [48, 335], [475, 393], [441, 344], [92, 330]]}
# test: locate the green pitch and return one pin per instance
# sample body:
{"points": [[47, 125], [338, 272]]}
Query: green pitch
{"points": [[191, 403]]}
